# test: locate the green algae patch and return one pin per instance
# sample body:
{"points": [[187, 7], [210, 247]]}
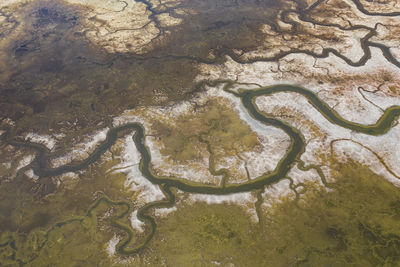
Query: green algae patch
{"points": [[73, 242], [215, 125], [198, 234], [26, 204], [72, 245], [354, 224], [54, 221]]}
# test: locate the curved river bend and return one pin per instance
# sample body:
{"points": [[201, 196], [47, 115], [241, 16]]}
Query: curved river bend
{"points": [[297, 147], [247, 97]]}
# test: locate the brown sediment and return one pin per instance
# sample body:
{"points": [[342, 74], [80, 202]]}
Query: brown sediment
{"points": [[55, 78]]}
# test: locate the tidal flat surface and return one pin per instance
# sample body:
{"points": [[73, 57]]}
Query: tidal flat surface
{"points": [[199, 133]]}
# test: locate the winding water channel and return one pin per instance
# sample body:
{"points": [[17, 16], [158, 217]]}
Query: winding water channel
{"points": [[297, 147]]}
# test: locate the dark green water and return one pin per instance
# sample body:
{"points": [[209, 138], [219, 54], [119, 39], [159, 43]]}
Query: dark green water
{"points": [[248, 100], [248, 97]]}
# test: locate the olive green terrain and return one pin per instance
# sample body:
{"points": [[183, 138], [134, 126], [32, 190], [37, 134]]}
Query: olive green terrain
{"points": [[54, 80], [214, 125], [355, 223]]}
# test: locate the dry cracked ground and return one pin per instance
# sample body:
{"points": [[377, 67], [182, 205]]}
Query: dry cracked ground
{"points": [[199, 133]]}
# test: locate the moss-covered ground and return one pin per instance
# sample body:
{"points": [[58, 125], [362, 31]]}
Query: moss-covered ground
{"points": [[53, 80], [354, 224], [215, 124]]}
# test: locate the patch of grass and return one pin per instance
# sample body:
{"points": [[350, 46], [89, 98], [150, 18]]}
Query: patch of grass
{"points": [[29, 209], [199, 234], [355, 224], [216, 124]]}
